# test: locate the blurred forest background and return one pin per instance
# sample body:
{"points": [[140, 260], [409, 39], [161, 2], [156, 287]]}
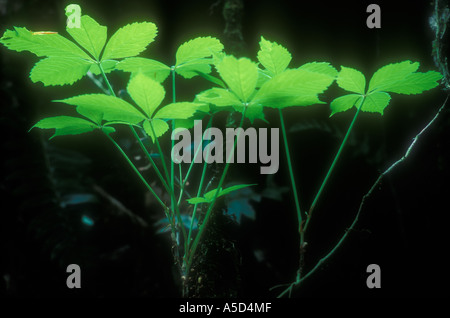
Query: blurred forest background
{"points": [[74, 200]]}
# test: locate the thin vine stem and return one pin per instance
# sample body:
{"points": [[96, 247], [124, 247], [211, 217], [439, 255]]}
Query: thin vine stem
{"points": [[361, 205]]}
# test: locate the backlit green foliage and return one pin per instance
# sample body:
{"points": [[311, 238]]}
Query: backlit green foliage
{"points": [[67, 62], [400, 78], [238, 85]]}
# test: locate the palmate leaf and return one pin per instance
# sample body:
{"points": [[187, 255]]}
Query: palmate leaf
{"points": [[148, 95], [54, 45], [209, 196], [109, 108], [150, 68], [107, 65], [376, 102], [126, 42], [130, 40], [65, 63], [66, 125], [240, 76], [90, 35], [400, 78]]}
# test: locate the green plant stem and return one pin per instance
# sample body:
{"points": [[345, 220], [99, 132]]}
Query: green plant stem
{"points": [[291, 172], [200, 186], [106, 79], [311, 209], [201, 230], [197, 151], [295, 194], [175, 207], [138, 173], [173, 128], [152, 162], [333, 164]]}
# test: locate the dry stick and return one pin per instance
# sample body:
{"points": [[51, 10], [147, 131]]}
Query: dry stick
{"points": [[363, 200]]}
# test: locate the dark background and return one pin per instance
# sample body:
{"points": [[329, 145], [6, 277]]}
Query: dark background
{"points": [[403, 226]]}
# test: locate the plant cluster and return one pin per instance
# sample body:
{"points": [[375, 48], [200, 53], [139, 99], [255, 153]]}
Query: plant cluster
{"points": [[238, 85]]}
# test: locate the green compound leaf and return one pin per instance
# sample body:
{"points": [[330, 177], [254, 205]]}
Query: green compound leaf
{"points": [[181, 110], [159, 126], [219, 97], [150, 68], [351, 80], [209, 196], [343, 103], [145, 92], [195, 56], [130, 40], [66, 125], [90, 35], [376, 102], [54, 45], [109, 108], [400, 78], [274, 57], [240, 76], [59, 70], [107, 65], [297, 87]]}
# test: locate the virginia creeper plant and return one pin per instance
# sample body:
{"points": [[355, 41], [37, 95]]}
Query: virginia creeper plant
{"points": [[238, 85]]}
